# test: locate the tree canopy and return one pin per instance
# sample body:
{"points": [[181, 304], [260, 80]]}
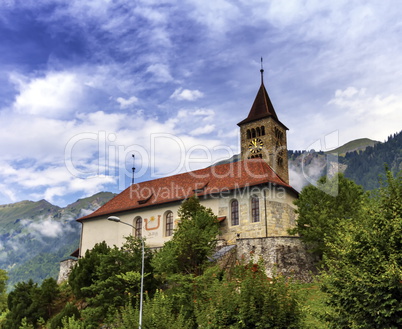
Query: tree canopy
{"points": [[193, 241], [323, 207], [364, 276]]}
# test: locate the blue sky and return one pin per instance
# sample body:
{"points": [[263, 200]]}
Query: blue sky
{"points": [[86, 84]]}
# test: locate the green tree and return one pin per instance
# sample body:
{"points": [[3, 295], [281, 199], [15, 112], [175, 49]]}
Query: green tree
{"points": [[19, 304], [364, 277], [193, 241], [84, 273], [30, 302], [108, 278], [322, 208], [3, 290]]}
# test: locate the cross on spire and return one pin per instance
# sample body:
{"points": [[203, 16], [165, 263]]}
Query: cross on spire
{"points": [[262, 72]]}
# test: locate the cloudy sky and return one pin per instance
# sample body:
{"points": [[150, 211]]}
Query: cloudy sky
{"points": [[86, 84]]}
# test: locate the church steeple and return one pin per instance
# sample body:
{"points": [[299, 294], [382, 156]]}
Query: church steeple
{"points": [[262, 106], [263, 135]]}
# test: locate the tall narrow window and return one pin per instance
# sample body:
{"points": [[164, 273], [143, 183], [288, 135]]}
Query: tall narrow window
{"points": [[258, 131], [253, 135], [234, 212], [138, 227], [169, 223], [262, 131], [255, 209], [248, 133]]}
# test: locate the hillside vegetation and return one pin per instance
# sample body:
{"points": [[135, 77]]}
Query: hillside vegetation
{"points": [[355, 145], [361, 160], [35, 236]]}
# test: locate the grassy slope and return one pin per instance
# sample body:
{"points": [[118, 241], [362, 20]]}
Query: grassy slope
{"points": [[10, 214], [355, 145]]}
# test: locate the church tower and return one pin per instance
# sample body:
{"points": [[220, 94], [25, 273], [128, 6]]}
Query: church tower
{"points": [[263, 136]]}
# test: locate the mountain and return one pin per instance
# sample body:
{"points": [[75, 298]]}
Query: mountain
{"points": [[35, 236], [361, 160], [355, 145], [365, 167]]}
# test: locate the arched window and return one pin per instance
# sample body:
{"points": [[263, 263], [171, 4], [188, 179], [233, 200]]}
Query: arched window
{"points": [[248, 133], [262, 131], [252, 133], [169, 223], [258, 131], [255, 209], [138, 227], [234, 212]]}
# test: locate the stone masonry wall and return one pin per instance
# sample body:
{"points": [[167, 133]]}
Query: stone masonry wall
{"points": [[282, 255], [66, 267]]}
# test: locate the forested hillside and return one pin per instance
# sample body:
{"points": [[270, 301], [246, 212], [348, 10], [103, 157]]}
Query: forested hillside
{"points": [[365, 167], [361, 160], [35, 236]]}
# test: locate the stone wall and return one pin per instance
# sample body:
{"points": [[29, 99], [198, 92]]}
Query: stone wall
{"points": [[282, 255], [66, 267]]}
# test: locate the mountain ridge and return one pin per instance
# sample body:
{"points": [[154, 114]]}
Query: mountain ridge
{"points": [[36, 235]]}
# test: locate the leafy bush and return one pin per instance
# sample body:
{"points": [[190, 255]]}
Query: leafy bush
{"points": [[158, 312], [29, 302], [321, 208], [249, 299], [69, 311], [364, 278], [107, 278]]}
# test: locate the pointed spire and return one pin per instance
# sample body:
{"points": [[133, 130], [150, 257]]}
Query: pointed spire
{"points": [[262, 106]]}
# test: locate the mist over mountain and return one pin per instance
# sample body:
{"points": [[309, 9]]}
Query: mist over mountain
{"points": [[35, 236], [361, 160]]}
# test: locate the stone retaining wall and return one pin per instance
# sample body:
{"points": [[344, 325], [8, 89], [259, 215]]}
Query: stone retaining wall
{"points": [[282, 255]]}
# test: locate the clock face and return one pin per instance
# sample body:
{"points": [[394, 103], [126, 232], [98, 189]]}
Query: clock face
{"points": [[255, 145]]}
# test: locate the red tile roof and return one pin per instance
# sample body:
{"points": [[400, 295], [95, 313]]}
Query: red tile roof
{"points": [[262, 108], [212, 180]]}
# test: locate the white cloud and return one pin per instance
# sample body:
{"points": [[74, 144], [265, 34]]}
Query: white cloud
{"points": [[124, 103], [48, 228], [52, 96], [161, 72], [186, 94], [203, 130], [364, 113]]}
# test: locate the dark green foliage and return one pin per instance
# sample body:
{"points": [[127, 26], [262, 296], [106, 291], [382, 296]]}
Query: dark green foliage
{"points": [[31, 302], [249, 299], [69, 311], [158, 312], [365, 167], [3, 295], [364, 278], [323, 207], [108, 278], [84, 273], [194, 240]]}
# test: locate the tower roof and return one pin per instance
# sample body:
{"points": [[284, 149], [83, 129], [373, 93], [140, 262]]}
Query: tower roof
{"points": [[262, 108]]}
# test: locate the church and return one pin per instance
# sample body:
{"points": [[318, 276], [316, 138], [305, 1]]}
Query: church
{"points": [[251, 197]]}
